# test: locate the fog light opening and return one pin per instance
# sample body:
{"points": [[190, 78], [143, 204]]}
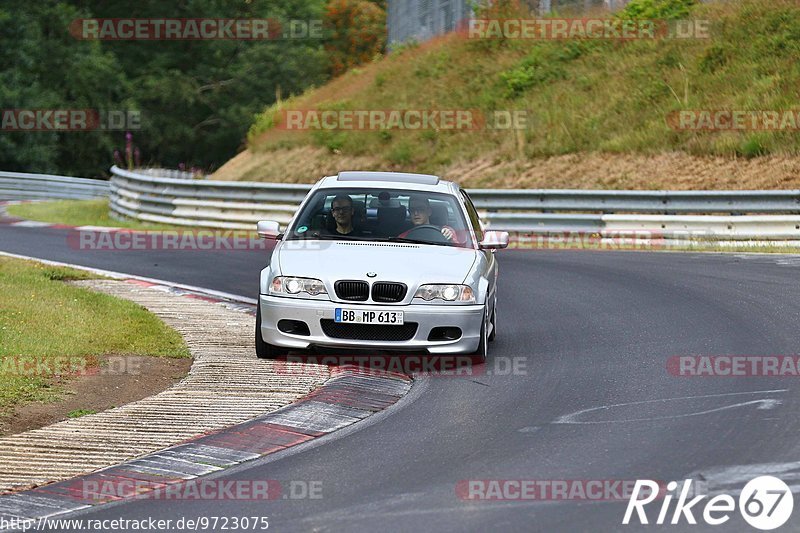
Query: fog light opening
{"points": [[445, 333], [294, 327]]}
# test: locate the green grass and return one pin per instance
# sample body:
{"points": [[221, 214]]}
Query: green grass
{"points": [[581, 95], [43, 320], [78, 213], [80, 412], [696, 246], [96, 213], [743, 248]]}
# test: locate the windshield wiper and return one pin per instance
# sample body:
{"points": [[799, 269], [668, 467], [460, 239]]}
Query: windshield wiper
{"points": [[329, 237], [416, 241]]}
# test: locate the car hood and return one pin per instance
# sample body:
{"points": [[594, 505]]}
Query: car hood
{"points": [[407, 263]]}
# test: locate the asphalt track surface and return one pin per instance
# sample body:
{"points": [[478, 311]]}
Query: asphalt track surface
{"points": [[594, 329]]}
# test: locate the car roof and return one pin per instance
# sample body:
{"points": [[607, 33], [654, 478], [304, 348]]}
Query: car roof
{"points": [[403, 177], [387, 180]]}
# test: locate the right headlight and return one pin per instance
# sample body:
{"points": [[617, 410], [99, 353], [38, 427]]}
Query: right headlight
{"points": [[448, 293], [293, 286]]}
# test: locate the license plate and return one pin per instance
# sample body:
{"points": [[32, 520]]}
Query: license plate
{"points": [[360, 316]]}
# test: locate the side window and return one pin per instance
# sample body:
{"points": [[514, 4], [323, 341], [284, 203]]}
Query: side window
{"points": [[473, 216]]}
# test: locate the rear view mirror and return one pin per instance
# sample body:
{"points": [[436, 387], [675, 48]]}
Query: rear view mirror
{"points": [[494, 240], [268, 229]]}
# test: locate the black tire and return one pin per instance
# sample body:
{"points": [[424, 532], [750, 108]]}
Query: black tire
{"points": [[493, 334], [264, 350], [479, 355]]}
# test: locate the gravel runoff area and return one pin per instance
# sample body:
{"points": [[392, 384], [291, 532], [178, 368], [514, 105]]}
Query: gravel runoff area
{"points": [[226, 385]]}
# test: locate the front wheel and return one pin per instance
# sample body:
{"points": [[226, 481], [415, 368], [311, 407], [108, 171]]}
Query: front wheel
{"points": [[493, 334], [264, 350], [479, 355]]}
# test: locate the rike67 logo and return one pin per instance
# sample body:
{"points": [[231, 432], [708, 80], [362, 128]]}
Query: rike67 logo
{"points": [[765, 503]]}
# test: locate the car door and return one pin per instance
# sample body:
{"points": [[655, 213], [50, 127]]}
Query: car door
{"points": [[488, 262]]}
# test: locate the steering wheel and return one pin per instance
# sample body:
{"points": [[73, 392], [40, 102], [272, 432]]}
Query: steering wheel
{"points": [[427, 232]]}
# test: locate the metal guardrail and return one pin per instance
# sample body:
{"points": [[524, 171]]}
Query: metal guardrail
{"points": [[206, 203], [173, 197], [663, 202], [703, 214], [23, 186], [168, 173]]}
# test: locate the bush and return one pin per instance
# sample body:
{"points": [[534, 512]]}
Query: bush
{"points": [[657, 9], [356, 33], [753, 146], [543, 64], [401, 154]]}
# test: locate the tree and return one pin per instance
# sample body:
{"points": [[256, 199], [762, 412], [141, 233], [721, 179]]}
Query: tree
{"points": [[356, 33], [42, 67], [196, 98]]}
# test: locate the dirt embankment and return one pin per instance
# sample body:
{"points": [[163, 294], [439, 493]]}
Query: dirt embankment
{"points": [[674, 170]]}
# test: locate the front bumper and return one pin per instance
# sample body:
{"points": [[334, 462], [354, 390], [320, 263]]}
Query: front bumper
{"points": [[468, 318]]}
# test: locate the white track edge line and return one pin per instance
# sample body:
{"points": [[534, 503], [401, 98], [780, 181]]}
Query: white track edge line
{"points": [[121, 275]]}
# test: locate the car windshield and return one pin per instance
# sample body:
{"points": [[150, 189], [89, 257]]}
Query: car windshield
{"points": [[382, 215]]}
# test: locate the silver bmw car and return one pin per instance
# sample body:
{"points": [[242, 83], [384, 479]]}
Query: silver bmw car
{"points": [[380, 261]]}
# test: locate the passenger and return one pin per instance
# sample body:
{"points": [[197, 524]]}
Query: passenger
{"points": [[420, 209], [342, 212]]}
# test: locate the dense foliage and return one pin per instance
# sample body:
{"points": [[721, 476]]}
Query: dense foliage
{"points": [[356, 33], [196, 99]]}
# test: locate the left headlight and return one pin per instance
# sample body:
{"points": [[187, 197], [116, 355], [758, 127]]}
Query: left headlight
{"points": [[292, 286], [448, 293]]}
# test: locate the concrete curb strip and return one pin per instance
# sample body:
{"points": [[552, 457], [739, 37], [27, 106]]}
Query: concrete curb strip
{"points": [[226, 385], [323, 412], [231, 408]]}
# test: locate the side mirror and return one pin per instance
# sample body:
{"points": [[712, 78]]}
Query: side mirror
{"points": [[268, 229], [494, 240]]}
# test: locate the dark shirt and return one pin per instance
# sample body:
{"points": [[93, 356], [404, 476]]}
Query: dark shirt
{"points": [[355, 232]]}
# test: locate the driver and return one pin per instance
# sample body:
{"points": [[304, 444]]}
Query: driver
{"points": [[420, 210]]}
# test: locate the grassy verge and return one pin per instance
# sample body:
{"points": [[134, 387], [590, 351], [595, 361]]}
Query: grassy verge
{"points": [[699, 246], [79, 213], [45, 322], [95, 213], [742, 248]]}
